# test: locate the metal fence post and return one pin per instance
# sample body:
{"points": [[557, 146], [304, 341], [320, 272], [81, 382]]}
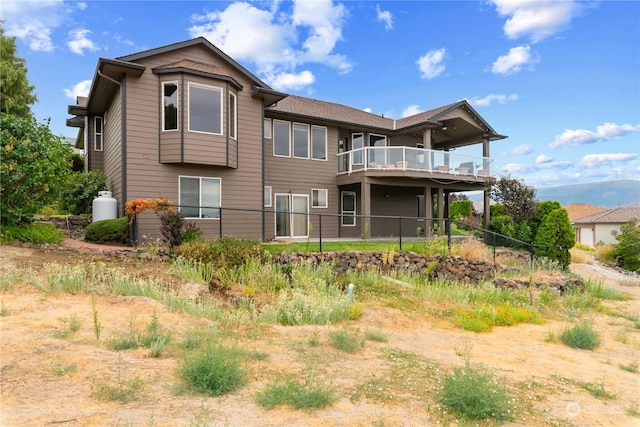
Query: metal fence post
{"points": [[448, 227], [320, 232], [400, 231], [220, 222]]}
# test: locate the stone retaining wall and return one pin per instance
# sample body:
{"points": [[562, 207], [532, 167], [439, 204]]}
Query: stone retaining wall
{"points": [[71, 225]]}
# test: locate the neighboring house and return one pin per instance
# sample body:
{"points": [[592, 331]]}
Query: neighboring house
{"points": [[602, 227], [579, 210], [188, 123]]}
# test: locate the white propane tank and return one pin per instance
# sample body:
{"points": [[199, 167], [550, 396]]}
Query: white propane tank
{"points": [[104, 206]]}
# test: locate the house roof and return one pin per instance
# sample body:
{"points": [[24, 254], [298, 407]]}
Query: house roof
{"points": [[579, 210], [194, 67], [615, 216]]}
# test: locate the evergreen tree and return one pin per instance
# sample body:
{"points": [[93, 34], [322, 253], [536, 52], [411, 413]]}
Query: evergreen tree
{"points": [[627, 250], [16, 94], [555, 237]]}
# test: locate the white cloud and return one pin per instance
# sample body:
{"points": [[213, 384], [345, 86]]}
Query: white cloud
{"points": [[411, 110], [542, 163], [593, 160], [521, 150], [513, 61], [367, 110], [291, 81], [79, 42], [494, 97], [603, 132], [386, 17], [542, 158], [278, 41], [519, 168], [81, 5], [79, 89], [33, 22], [537, 19], [430, 64]]}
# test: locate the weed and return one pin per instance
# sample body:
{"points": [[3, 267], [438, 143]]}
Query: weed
{"points": [[599, 290], [597, 390], [377, 336], [314, 339], [580, 336], [126, 341], [64, 369], [630, 367], [213, 371], [62, 278], [193, 270], [347, 341], [474, 392], [125, 390], [96, 322], [633, 410], [551, 337], [298, 394]]}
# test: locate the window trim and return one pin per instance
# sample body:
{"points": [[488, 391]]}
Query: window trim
{"points": [[97, 134], [267, 200], [221, 103], [293, 139], [162, 106], [288, 123], [266, 128], [200, 178], [326, 133], [233, 116], [326, 198]]}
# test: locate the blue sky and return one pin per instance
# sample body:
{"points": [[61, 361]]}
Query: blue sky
{"points": [[560, 78]]}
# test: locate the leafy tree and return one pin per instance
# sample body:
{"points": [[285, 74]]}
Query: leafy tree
{"points": [[33, 162], [627, 250], [80, 190], [516, 197], [460, 209], [555, 237], [16, 94]]}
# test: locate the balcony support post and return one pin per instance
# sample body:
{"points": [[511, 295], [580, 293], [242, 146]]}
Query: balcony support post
{"points": [[365, 201]]}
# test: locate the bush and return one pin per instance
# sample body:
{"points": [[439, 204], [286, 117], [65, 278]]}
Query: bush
{"points": [[32, 233], [225, 252], [604, 253], [79, 191], [555, 237], [108, 231], [172, 222], [580, 336], [214, 371], [628, 248], [474, 392], [460, 209]]}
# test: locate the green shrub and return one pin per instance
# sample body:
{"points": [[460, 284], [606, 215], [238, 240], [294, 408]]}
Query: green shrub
{"points": [[213, 371], [225, 252], [474, 392], [108, 231], [627, 250], [32, 233], [298, 394], [459, 209], [580, 336], [555, 237], [79, 191], [347, 341]]}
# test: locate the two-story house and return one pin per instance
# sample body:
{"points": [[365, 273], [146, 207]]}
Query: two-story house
{"points": [[188, 123]]}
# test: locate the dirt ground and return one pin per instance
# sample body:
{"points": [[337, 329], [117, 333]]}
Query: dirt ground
{"points": [[36, 390]]}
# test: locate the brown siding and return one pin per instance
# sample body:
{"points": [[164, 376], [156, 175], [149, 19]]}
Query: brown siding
{"points": [[113, 149], [147, 178], [96, 157]]}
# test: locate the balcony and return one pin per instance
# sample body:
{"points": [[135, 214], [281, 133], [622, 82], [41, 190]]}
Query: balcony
{"points": [[417, 160]]}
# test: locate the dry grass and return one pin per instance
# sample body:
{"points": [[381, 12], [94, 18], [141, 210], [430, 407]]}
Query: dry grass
{"points": [[580, 256], [472, 249]]}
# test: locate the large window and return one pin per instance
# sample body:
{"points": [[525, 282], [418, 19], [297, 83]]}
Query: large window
{"points": [[233, 115], [319, 198], [97, 133], [205, 109], [378, 154], [357, 142], [199, 197], [300, 141], [170, 106], [318, 143], [281, 138]]}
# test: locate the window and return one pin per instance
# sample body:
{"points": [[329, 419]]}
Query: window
{"points": [[267, 196], [233, 115], [205, 109], [281, 138], [319, 198], [377, 155], [300, 141], [318, 143], [199, 197], [357, 142], [348, 208], [97, 132], [170, 106], [267, 128]]}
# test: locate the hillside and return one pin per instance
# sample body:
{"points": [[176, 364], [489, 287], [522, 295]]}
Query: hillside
{"points": [[606, 194]]}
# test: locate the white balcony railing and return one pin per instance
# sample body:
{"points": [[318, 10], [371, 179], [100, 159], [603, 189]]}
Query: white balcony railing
{"points": [[413, 159]]}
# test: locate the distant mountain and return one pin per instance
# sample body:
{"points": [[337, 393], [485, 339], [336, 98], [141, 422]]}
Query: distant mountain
{"points": [[607, 194]]}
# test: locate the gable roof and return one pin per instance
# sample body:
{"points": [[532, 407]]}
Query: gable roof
{"points": [[195, 67], [579, 210], [611, 216]]}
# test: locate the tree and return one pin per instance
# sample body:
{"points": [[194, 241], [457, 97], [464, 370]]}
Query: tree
{"points": [[460, 209], [516, 197], [627, 250], [33, 163], [555, 237], [16, 94]]}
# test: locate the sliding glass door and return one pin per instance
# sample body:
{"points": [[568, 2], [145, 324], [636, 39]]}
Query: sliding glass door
{"points": [[291, 215]]}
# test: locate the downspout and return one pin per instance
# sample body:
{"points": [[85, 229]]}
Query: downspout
{"points": [[123, 136], [264, 220]]}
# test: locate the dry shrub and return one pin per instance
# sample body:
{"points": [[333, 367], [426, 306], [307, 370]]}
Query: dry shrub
{"points": [[580, 256], [604, 253], [471, 249]]}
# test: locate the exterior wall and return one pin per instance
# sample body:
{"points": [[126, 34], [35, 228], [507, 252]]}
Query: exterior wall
{"points": [[112, 140], [394, 201], [148, 178], [96, 158], [585, 235], [605, 233], [288, 175]]}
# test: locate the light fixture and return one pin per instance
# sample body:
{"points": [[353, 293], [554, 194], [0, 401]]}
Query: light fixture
{"points": [[444, 127]]}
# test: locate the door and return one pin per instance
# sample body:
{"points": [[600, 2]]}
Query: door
{"points": [[348, 208], [291, 215]]}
